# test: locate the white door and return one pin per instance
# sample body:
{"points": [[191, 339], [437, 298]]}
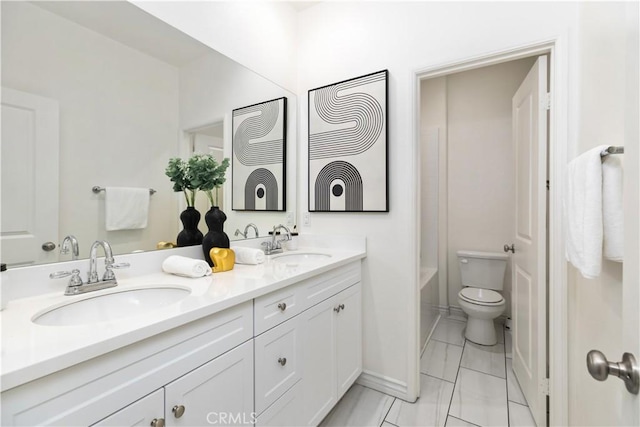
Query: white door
{"points": [[529, 117], [29, 178], [319, 379], [209, 140], [348, 326]]}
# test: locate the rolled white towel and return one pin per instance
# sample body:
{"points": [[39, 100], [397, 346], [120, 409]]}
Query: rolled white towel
{"points": [[248, 256], [186, 267]]}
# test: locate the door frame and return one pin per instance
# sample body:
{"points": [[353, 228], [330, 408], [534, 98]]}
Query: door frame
{"points": [[560, 146]]}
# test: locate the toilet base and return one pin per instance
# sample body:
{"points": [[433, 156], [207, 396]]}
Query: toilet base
{"points": [[481, 331]]}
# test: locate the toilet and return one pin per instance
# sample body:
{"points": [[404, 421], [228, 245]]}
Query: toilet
{"points": [[482, 276]]}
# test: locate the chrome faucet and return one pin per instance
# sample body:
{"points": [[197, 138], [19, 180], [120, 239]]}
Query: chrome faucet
{"points": [[255, 230], [246, 230], [75, 248], [275, 245], [93, 261], [76, 286]]}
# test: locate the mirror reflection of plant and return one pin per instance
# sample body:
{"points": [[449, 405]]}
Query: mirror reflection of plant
{"points": [[178, 172], [207, 174]]}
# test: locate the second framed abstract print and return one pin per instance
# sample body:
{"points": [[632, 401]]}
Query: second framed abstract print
{"points": [[348, 166], [259, 156]]}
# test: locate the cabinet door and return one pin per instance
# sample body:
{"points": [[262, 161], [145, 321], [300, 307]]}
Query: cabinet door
{"points": [[140, 413], [285, 412], [219, 392], [319, 380], [278, 363], [348, 337]]}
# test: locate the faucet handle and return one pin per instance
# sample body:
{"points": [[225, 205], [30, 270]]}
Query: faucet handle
{"points": [[75, 276], [108, 272]]}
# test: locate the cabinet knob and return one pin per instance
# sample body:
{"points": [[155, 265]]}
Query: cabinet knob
{"points": [[157, 422], [282, 306], [282, 361], [338, 308], [178, 411]]}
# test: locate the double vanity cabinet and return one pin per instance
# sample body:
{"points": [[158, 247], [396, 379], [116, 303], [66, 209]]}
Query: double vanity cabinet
{"points": [[282, 357]]}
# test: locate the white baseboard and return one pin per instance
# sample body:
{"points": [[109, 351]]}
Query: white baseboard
{"points": [[383, 384], [443, 309]]}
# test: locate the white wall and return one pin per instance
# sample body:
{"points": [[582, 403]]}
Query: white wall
{"points": [[480, 165], [596, 306], [260, 35], [121, 115], [342, 40]]}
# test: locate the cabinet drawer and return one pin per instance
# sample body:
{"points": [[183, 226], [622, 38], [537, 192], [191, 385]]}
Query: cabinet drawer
{"points": [[277, 362], [286, 411], [326, 285], [274, 308]]}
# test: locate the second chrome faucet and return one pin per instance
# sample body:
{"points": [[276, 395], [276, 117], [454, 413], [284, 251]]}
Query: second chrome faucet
{"points": [[76, 285], [275, 245]]}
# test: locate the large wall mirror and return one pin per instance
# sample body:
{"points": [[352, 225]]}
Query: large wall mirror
{"points": [[103, 94]]}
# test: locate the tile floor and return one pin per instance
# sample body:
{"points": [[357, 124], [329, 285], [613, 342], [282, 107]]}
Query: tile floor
{"points": [[462, 383]]}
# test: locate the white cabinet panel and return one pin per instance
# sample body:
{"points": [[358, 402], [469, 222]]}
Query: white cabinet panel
{"points": [[218, 393], [278, 362], [139, 413]]}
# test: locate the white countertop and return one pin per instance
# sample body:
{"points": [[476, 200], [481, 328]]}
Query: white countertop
{"points": [[30, 351]]}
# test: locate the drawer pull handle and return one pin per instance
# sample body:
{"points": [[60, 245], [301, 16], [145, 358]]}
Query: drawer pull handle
{"points": [[178, 411], [282, 361], [157, 422], [282, 306], [338, 308]]}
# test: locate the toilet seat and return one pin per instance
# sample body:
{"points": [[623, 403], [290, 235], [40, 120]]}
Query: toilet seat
{"points": [[478, 296]]}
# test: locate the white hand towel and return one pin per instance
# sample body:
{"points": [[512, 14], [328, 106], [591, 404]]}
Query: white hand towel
{"points": [[583, 210], [186, 267], [612, 173], [126, 208], [248, 256]]}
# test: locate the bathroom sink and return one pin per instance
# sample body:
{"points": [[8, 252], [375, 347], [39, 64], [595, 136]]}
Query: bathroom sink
{"points": [[300, 257], [111, 306]]}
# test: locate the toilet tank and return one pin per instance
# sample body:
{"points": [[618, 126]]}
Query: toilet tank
{"points": [[482, 269]]}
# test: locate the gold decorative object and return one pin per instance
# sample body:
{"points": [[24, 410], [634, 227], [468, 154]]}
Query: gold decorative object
{"points": [[165, 245], [223, 259]]}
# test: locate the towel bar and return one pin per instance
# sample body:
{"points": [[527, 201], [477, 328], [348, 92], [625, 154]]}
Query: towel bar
{"points": [[612, 150], [97, 189]]}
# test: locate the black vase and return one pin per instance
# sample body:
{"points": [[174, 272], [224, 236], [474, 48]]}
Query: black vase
{"points": [[215, 237], [190, 236]]}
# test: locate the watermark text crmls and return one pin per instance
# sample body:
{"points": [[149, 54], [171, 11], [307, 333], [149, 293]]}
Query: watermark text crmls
{"points": [[231, 418]]}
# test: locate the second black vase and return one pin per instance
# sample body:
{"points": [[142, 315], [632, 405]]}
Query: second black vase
{"points": [[190, 236], [215, 237]]}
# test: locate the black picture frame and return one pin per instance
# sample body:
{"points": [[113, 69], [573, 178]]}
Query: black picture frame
{"points": [[259, 157], [348, 129]]}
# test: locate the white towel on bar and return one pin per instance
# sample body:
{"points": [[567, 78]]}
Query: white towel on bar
{"points": [[186, 267], [612, 173], [249, 256], [583, 210], [126, 208]]}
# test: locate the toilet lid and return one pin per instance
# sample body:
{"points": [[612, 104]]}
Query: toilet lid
{"points": [[483, 296]]}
